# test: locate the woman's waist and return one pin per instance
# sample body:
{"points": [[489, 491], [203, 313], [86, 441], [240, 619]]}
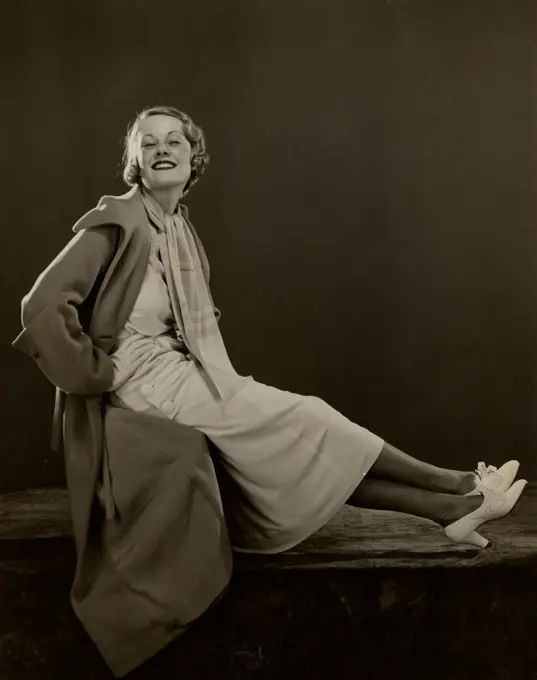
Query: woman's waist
{"points": [[132, 340]]}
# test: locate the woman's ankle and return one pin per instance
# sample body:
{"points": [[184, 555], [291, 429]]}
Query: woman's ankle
{"points": [[466, 483], [451, 482], [459, 507]]}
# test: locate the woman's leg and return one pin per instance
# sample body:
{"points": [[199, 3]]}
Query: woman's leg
{"points": [[397, 466], [383, 494]]}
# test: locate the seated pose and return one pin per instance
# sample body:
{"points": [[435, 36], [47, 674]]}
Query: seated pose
{"points": [[296, 461]]}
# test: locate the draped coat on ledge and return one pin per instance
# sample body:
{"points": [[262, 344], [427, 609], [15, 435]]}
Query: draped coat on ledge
{"points": [[153, 551]]}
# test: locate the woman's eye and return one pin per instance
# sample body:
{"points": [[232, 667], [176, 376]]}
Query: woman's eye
{"points": [[175, 142], [147, 144]]}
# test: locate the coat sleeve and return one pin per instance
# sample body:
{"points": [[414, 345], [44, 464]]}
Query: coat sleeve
{"points": [[52, 332]]}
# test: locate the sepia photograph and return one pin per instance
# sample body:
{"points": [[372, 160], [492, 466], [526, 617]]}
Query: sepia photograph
{"points": [[270, 340]]}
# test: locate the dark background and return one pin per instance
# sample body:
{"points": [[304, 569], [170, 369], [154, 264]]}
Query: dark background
{"points": [[369, 211]]}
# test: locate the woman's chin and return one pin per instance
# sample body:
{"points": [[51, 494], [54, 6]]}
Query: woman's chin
{"points": [[170, 183]]}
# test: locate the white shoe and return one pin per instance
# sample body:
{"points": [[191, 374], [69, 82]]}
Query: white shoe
{"points": [[496, 479], [496, 504]]}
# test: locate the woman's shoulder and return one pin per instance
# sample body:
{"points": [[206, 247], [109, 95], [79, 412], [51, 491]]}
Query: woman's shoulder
{"points": [[125, 211]]}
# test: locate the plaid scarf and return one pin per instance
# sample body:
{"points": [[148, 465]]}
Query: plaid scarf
{"points": [[190, 298]]}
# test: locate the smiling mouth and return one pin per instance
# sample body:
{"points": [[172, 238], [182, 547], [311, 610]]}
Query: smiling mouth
{"points": [[163, 165]]}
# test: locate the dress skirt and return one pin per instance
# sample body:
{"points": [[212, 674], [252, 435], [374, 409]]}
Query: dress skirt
{"points": [[294, 460]]}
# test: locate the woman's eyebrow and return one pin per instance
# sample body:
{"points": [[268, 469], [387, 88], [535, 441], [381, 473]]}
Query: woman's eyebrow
{"points": [[149, 135]]}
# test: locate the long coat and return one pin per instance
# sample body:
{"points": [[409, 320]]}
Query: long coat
{"points": [[153, 551]]}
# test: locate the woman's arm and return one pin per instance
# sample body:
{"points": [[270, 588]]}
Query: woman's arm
{"points": [[53, 334]]}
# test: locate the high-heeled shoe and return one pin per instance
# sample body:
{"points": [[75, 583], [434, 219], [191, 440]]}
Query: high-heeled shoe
{"points": [[496, 479], [495, 505]]}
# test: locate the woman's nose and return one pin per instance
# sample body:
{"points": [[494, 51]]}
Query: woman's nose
{"points": [[162, 150]]}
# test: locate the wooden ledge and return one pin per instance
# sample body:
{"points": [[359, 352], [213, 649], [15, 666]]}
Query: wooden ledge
{"points": [[353, 539]]}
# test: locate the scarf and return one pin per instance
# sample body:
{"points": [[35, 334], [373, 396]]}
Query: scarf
{"points": [[190, 297]]}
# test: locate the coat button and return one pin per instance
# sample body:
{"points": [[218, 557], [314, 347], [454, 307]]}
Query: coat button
{"points": [[147, 390], [168, 407]]}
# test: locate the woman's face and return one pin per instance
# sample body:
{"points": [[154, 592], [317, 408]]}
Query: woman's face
{"points": [[163, 152]]}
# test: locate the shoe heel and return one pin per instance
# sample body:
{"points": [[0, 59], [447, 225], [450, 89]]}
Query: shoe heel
{"points": [[473, 538], [464, 529]]}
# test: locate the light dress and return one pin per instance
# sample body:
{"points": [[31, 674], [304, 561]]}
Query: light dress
{"points": [[293, 459]]}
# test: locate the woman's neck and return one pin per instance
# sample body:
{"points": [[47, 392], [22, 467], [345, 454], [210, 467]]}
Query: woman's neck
{"points": [[167, 197]]}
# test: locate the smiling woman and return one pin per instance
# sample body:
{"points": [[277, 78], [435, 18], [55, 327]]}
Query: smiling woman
{"points": [[153, 351], [164, 135]]}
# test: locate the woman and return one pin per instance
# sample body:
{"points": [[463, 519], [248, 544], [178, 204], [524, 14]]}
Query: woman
{"points": [[137, 261]]}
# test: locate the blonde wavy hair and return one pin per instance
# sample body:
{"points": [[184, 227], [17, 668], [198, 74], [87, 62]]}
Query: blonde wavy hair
{"points": [[199, 158]]}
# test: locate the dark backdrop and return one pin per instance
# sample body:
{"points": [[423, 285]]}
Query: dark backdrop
{"points": [[369, 211]]}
